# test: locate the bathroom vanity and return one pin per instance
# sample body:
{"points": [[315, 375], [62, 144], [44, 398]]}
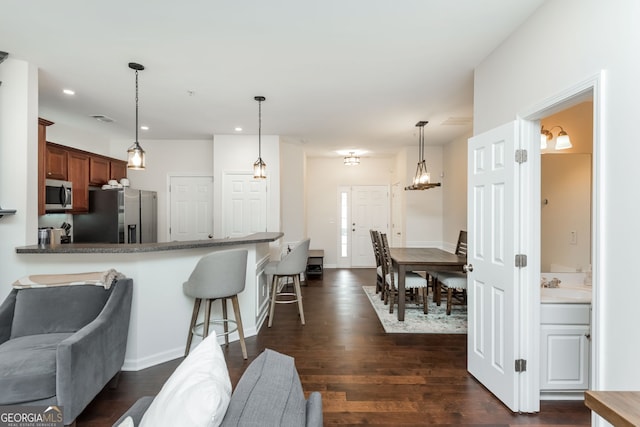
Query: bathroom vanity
{"points": [[565, 335]]}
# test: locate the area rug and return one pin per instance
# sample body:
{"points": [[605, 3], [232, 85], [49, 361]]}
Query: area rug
{"points": [[415, 321]]}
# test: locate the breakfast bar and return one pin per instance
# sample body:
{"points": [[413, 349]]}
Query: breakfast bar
{"points": [[160, 311]]}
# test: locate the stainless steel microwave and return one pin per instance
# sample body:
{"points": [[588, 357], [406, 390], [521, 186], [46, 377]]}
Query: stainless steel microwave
{"points": [[58, 195]]}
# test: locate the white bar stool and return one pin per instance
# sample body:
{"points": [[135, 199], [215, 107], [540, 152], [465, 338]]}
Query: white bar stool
{"points": [[219, 275], [291, 265]]}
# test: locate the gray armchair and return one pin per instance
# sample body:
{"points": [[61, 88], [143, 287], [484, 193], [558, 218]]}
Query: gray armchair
{"points": [[62, 345]]}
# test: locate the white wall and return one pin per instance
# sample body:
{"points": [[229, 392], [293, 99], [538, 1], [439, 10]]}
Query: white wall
{"points": [[324, 176], [163, 159], [237, 153], [292, 191], [18, 164], [454, 195], [423, 219], [564, 43]]}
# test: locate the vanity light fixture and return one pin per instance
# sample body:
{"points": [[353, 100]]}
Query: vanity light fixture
{"points": [[259, 167], [422, 178], [562, 141], [135, 153], [352, 159]]}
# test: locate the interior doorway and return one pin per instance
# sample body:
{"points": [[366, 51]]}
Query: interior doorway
{"points": [[580, 242], [190, 208], [524, 345]]}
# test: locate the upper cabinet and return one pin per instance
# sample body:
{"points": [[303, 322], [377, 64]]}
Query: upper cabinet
{"points": [[42, 158], [82, 168], [56, 162], [79, 175], [98, 171], [118, 169]]}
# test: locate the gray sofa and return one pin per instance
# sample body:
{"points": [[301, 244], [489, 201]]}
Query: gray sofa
{"points": [[269, 393], [61, 345]]}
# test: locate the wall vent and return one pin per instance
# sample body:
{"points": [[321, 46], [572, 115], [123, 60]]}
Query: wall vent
{"points": [[102, 118]]}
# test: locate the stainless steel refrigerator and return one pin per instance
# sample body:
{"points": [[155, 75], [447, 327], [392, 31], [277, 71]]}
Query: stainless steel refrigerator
{"points": [[122, 215]]}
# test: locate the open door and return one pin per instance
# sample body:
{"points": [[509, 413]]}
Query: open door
{"points": [[493, 278]]}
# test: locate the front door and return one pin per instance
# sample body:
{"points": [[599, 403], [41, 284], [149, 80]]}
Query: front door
{"points": [[493, 224], [369, 210]]}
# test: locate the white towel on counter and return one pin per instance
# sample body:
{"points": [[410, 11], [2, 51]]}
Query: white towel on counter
{"points": [[98, 278]]}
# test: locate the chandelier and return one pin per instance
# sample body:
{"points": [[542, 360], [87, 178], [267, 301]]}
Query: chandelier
{"points": [[351, 159], [422, 178]]}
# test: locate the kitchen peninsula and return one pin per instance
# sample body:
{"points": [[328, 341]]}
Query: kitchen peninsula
{"points": [[160, 313]]}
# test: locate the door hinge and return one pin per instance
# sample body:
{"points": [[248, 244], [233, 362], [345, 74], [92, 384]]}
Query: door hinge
{"points": [[521, 156], [521, 365], [521, 260]]}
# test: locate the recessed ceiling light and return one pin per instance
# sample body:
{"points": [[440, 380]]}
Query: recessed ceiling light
{"points": [[238, 129], [68, 92], [144, 127]]}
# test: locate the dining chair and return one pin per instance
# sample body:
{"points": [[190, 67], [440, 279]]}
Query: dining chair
{"points": [[376, 253], [413, 281], [453, 283]]}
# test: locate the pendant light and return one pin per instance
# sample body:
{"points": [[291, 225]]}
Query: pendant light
{"points": [[422, 178], [135, 153], [259, 167]]}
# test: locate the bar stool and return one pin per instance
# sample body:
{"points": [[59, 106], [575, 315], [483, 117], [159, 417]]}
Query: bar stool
{"points": [[220, 275], [291, 265]]}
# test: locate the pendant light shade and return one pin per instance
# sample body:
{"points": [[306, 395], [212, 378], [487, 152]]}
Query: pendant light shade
{"points": [[135, 153], [259, 167], [422, 178]]}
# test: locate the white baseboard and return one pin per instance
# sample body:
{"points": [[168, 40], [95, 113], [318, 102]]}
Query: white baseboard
{"points": [[175, 353]]}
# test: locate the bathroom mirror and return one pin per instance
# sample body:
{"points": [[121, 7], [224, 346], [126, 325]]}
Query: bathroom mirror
{"points": [[566, 212]]}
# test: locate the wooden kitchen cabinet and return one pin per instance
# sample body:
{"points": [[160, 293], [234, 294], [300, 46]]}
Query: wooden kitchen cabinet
{"points": [[118, 170], [98, 170], [78, 171], [42, 156], [56, 162]]}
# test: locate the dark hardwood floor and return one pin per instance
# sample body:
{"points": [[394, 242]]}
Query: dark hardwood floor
{"points": [[366, 377]]}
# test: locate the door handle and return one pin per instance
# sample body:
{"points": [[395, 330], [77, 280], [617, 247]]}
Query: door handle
{"points": [[210, 236], [467, 268]]}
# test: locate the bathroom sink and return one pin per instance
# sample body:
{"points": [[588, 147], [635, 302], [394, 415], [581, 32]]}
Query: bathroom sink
{"points": [[565, 295]]}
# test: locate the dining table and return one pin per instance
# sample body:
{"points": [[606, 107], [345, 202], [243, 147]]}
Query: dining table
{"points": [[421, 259]]}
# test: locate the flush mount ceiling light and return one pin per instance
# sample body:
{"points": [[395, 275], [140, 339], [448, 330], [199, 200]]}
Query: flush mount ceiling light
{"points": [[351, 159], [563, 141], [259, 167], [135, 153], [422, 178]]}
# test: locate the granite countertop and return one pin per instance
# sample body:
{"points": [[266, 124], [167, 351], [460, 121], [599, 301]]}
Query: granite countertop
{"points": [[116, 248]]}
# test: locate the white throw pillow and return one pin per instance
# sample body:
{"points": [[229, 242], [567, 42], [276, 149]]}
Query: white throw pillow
{"points": [[198, 392], [127, 422]]}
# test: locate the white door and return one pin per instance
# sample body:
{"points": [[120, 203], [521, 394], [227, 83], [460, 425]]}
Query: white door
{"points": [[397, 218], [191, 208], [369, 210], [245, 204], [492, 289]]}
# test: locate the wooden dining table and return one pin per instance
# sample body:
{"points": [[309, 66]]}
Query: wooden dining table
{"points": [[421, 259]]}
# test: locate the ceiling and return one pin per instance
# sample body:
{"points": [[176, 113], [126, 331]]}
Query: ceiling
{"points": [[337, 74]]}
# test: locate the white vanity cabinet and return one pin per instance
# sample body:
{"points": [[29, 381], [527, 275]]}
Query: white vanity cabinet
{"points": [[565, 347]]}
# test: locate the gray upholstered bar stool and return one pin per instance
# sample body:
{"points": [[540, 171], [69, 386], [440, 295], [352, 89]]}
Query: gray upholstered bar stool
{"points": [[220, 275], [291, 265]]}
